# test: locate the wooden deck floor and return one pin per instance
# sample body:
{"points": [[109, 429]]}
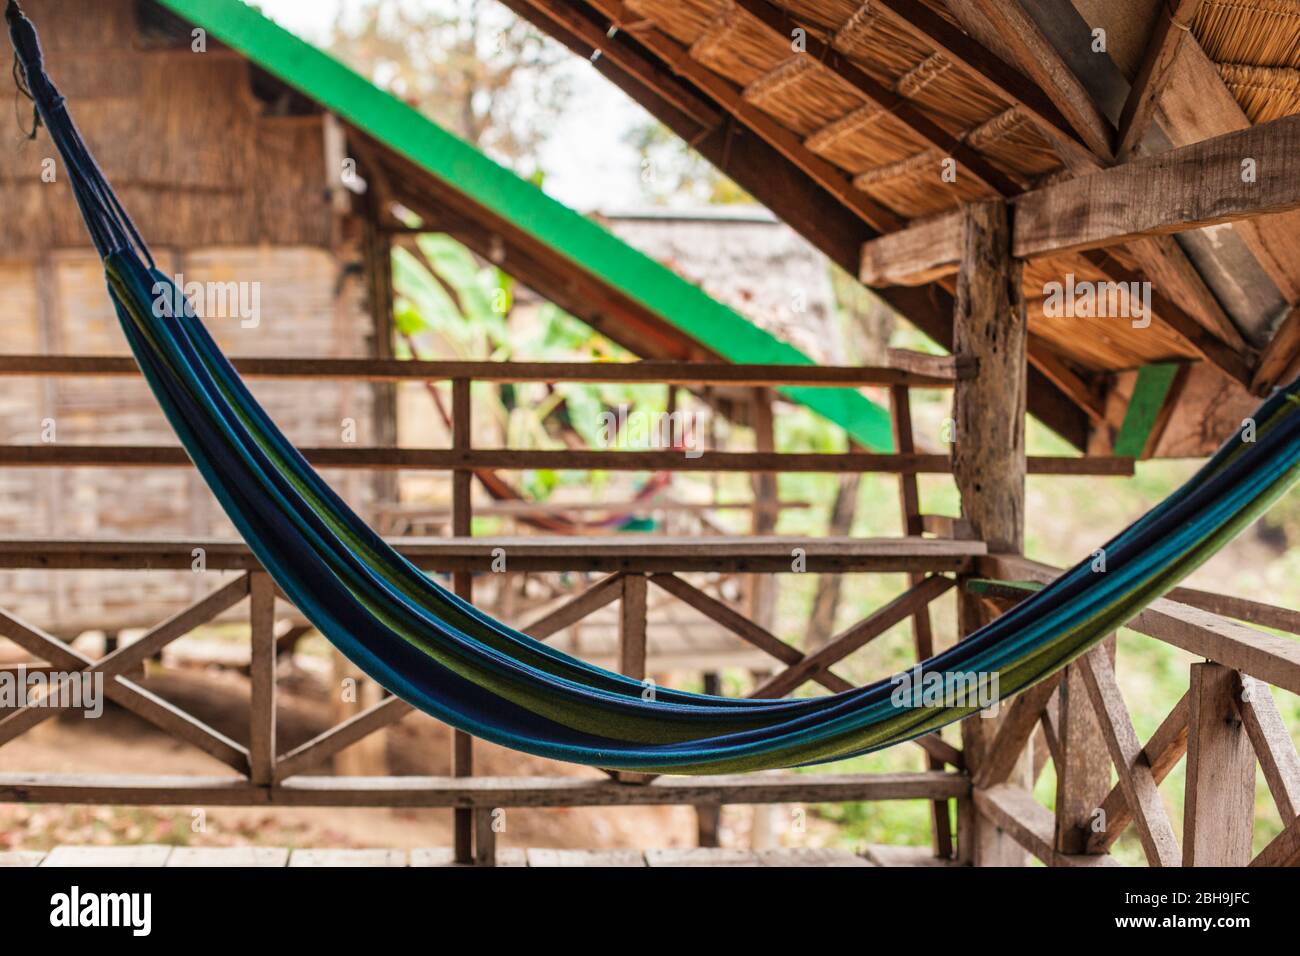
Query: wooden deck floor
{"points": [[154, 855]]}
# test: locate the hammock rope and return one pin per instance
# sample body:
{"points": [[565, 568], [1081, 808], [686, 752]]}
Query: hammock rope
{"points": [[444, 656]]}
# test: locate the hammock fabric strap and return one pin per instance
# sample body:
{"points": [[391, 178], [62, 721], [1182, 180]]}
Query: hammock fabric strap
{"points": [[449, 659]]}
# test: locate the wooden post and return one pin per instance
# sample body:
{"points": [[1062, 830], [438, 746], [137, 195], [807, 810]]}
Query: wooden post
{"points": [[462, 744], [1219, 803], [708, 816], [261, 726], [909, 493], [632, 646], [762, 593], [988, 454], [485, 838], [1084, 765]]}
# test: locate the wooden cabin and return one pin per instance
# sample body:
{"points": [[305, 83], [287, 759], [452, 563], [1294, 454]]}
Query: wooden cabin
{"points": [[1089, 205]]}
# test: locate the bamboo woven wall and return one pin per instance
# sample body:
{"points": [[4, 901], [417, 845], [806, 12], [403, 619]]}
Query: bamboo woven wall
{"points": [[224, 194]]}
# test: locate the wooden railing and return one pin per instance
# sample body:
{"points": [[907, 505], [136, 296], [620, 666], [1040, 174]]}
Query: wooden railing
{"points": [[1225, 724], [1238, 655]]}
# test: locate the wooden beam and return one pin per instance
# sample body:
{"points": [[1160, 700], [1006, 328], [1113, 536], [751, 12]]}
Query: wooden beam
{"points": [[326, 744], [1162, 753], [989, 410], [1135, 777], [1198, 185], [917, 255], [989, 325], [1186, 188], [1272, 742], [1014, 811], [1173, 23], [1034, 54], [1284, 850], [477, 792], [852, 638], [1219, 805], [909, 370], [1082, 764], [437, 459], [1279, 356]]}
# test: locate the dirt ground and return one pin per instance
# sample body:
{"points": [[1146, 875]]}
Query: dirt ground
{"points": [[119, 742]]}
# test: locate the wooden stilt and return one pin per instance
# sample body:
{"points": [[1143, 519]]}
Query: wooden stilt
{"points": [[922, 633], [462, 744], [261, 714], [1219, 805], [989, 326]]}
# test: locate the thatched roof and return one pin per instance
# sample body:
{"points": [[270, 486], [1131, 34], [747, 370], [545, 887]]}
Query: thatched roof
{"points": [[876, 155]]}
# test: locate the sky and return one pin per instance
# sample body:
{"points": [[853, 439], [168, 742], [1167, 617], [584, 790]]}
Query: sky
{"points": [[588, 164]]}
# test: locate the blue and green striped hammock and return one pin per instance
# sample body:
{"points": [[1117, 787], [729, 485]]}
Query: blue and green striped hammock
{"points": [[454, 662]]}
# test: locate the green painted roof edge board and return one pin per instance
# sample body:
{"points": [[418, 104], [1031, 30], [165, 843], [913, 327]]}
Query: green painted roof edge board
{"points": [[1149, 394], [583, 242]]}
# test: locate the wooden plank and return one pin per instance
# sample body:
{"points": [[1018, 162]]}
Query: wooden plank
{"points": [[604, 592], [444, 856], [1135, 776], [462, 745], [1186, 188], [544, 856], [143, 854], [1162, 753], [1272, 743], [488, 792], [439, 459], [261, 716], [854, 637], [1219, 805], [406, 370], [224, 856], [144, 703], [742, 627], [317, 750], [132, 655], [1173, 22], [787, 856], [701, 856], [1015, 812], [883, 854], [1269, 657], [368, 857]]}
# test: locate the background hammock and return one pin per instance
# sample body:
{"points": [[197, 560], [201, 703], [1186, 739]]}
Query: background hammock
{"points": [[449, 659]]}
